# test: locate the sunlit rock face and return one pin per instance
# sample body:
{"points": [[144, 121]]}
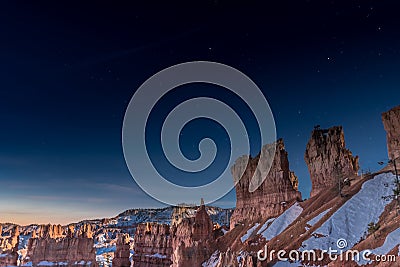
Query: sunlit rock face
{"points": [[391, 123], [152, 245], [328, 159], [9, 247], [61, 245], [277, 190]]}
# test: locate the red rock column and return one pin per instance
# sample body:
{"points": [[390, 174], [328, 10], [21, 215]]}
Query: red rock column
{"points": [[279, 186], [391, 123], [122, 253], [328, 159]]}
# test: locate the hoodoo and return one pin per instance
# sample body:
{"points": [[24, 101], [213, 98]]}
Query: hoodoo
{"points": [[391, 123], [268, 200], [328, 159]]}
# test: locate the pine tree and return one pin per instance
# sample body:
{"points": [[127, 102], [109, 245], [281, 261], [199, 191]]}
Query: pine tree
{"points": [[372, 228]]}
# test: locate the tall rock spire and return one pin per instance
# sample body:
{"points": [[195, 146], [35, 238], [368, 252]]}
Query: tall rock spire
{"points": [[279, 186], [391, 123], [328, 159]]}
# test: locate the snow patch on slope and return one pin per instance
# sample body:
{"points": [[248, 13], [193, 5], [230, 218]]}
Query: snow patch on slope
{"points": [[318, 217], [391, 241], [283, 221], [288, 264], [249, 233], [265, 225], [212, 261], [351, 220]]}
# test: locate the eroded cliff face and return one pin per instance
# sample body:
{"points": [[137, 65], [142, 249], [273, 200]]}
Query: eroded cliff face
{"points": [[152, 245], [192, 240], [122, 252], [9, 248], [233, 259], [57, 244], [391, 123], [328, 159], [270, 199]]}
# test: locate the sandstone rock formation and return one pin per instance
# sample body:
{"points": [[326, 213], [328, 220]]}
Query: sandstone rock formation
{"points": [[9, 248], [49, 231], [10, 241], [55, 244], [328, 159], [391, 123], [181, 212], [192, 240], [268, 200], [152, 245], [122, 253]]}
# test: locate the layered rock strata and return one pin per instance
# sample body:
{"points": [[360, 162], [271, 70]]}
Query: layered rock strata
{"points": [[152, 245], [270, 198], [55, 244], [329, 161], [9, 248], [192, 240], [122, 252], [391, 123]]}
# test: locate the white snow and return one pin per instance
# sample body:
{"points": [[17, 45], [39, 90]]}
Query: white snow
{"points": [[288, 264], [392, 239], [249, 233], [265, 225], [318, 217], [157, 255], [212, 261], [283, 221], [45, 263], [105, 249], [350, 222]]}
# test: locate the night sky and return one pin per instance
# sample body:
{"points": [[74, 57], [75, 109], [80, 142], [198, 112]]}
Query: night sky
{"points": [[69, 70]]}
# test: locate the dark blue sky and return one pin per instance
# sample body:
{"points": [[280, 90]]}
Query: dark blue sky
{"points": [[68, 71]]}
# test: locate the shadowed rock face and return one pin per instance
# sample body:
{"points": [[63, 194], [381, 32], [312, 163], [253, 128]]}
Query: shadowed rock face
{"points": [[152, 245], [391, 123], [193, 239], [328, 159], [122, 253], [54, 243], [268, 200]]}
